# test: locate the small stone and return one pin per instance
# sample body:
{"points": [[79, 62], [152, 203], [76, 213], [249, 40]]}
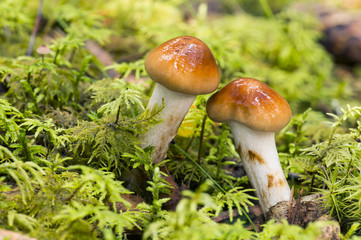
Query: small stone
{"points": [[330, 231], [310, 210]]}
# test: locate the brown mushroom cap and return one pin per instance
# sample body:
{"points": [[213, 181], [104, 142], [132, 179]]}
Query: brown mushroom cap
{"points": [[184, 64], [250, 102], [43, 50]]}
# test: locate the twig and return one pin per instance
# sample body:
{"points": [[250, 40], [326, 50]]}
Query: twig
{"points": [[325, 172], [35, 29], [75, 192], [297, 207], [117, 117], [290, 204]]}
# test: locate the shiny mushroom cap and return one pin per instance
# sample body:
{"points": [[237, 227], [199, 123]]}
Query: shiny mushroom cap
{"points": [[184, 64], [252, 103]]}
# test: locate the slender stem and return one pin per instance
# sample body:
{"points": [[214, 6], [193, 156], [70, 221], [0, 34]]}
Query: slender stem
{"points": [[266, 8], [31, 93], [42, 68], [200, 168], [330, 138], [325, 172], [75, 192], [192, 138], [189, 143], [214, 182], [312, 181], [201, 138], [56, 56], [35, 29], [72, 54], [47, 146], [348, 171], [117, 117]]}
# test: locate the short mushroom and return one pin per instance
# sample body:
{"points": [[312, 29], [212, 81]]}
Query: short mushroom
{"points": [[183, 68], [43, 50], [255, 112]]}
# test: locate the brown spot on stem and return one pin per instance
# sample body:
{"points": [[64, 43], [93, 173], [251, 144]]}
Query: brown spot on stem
{"points": [[274, 182], [171, 121], [271, 180], [162, 138], [239, 149], [254, 157]]}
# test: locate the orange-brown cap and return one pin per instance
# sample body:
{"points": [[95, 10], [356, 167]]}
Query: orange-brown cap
{"points": [[184, 64], [250, 102]]}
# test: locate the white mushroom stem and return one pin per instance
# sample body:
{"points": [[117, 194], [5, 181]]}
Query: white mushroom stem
{"points": [[176, 107], [260, 160]]}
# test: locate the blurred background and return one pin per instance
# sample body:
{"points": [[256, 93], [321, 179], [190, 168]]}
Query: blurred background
{"points": [[309, 51]]}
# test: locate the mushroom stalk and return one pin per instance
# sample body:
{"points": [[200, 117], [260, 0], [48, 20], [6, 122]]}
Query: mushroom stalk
{"points": [[260, 159], [176, 107]]}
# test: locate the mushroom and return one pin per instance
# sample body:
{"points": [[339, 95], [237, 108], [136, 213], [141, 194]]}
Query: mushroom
{"points": [[255, 112], [183, 68], [43, 50]]}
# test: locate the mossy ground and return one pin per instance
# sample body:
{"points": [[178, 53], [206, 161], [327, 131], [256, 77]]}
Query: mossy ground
{"points": [[70, 120]]}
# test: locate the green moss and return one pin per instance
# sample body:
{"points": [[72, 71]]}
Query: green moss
{"points": [[69, 147]]}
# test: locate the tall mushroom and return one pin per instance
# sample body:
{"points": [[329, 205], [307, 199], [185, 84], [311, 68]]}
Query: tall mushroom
{"points": [[255, 112], [183, 68]]}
